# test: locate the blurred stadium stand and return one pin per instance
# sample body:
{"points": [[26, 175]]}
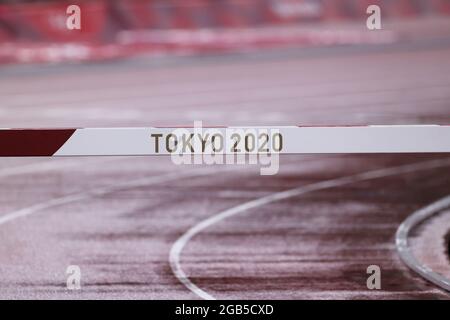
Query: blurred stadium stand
{"points": [[32, 31]]}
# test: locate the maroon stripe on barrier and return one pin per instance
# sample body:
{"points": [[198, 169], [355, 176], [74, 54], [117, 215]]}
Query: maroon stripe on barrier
{"points": [[32, 143]]}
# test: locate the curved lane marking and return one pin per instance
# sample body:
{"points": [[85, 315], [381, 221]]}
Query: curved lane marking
{"points": [[178, 246], [99, 192], [37, 167], [405, 252]]}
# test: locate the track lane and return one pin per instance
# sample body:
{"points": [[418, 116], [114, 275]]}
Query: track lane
{"points": [[177, 248], [122, 241]]}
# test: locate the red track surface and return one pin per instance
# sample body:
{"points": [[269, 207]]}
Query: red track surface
{"points": [[315, 245]]}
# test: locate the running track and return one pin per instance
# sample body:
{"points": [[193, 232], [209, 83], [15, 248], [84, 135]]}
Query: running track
{"points": [[144, 228]]}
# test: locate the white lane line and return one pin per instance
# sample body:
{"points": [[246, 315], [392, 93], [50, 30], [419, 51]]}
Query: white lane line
{"points": [[405, 252], [178, 246], [52, 165], [36, 167], [100, 192]]}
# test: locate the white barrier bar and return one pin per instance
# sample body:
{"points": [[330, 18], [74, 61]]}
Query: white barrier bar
{"points": [[225, 140]]}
